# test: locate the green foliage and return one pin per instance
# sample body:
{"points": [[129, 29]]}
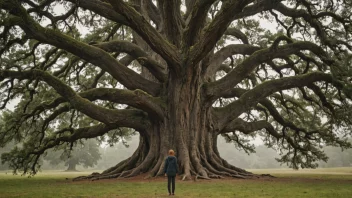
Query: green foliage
{"points": [[7, 148]]}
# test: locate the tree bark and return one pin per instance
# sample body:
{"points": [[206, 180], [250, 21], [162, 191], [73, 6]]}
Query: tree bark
{"points": [[188, 127]]}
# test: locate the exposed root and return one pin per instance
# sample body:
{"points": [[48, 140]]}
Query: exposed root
{"points": [[158, 168], [125, 174], [118, 166], [216, 176], [201, 163], [197, 176], [201, 177], [112, 176], [186, 177], [80, 178], [267, 175], [208, 168], [218, 172]]}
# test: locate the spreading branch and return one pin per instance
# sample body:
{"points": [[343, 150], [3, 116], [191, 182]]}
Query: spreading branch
{"points": [[96, 56], [253, 96], [249, 127], [217, 88], [238, 34], [225, 52], [127, 118]]}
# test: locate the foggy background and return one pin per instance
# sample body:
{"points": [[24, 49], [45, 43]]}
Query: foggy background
{"points": [[100, 156]]}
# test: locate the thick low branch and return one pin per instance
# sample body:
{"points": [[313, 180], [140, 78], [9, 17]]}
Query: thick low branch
{"points": [[238, 34], [87, 132], [238, 92], [137, 99], [218, 88], [127, 118], [273, 110], [252, 97], [248, 127]]}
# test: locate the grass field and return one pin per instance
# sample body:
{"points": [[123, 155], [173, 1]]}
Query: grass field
{"points": [[334, 182]]}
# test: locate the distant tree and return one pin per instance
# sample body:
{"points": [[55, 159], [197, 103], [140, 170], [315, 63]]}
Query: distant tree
{"points": [[263, 157], [7, 148], [337, 157], [266, 157], [85, 153], [113, 154]]}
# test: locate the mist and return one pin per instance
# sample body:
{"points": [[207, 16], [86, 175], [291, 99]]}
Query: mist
{"points": [[263, 158]]}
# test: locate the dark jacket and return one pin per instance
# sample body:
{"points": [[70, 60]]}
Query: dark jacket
{"points": [[171, 167]]}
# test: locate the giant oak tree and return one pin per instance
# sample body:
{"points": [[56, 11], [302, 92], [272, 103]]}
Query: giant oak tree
{"points": [[181, 73]]}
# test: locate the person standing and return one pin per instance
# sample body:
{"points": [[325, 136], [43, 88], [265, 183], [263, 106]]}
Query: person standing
{"points": [[170, 170]]}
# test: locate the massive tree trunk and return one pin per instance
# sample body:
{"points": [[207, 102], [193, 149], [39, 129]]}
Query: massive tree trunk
{"points": [[188, 128]]}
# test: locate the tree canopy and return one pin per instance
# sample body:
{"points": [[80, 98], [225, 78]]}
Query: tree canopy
{"points": [[180, 73]]}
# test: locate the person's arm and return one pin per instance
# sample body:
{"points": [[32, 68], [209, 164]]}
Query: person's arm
{"points": [[176, 166], [165, 166]]}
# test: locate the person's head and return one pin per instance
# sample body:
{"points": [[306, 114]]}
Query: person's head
{"points": [[171, 152]]}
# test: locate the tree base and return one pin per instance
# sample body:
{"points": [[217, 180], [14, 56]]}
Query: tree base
{"points": [[119, 171], [202, 163], [97, 176]]}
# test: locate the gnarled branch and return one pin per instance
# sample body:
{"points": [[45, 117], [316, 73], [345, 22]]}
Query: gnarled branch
{"points": [[248, 127], [126, 76], [148, 33], [238, 34], [128, 118], [252, 97], [225, 52], [217, 88]]}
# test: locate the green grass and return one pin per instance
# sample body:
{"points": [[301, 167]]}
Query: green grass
{"points": [[320, 183]]}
